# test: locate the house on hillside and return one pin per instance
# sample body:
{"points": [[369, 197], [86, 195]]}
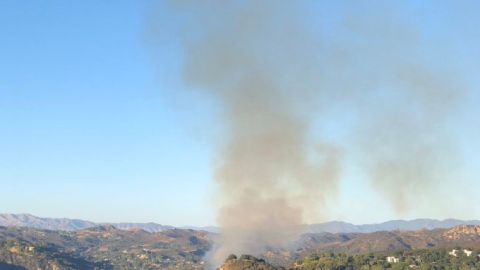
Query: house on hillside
{"points": [[392, 259], [453, 253]]}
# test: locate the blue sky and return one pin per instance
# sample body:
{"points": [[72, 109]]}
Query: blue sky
{"points": [[94, 125]]}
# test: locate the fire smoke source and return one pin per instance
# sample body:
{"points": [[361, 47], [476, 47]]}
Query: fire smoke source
{"points": [[269, 70], [258, 60]]}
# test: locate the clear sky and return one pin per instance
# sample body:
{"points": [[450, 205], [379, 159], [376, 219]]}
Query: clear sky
{"points": [[93, 125]]}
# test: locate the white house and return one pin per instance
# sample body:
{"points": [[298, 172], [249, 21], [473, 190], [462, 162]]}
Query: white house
{"points": [[467, 252], [392, 259], [453, 252]]}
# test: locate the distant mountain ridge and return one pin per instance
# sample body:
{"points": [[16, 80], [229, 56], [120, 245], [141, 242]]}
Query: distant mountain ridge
{"points": [[31, 221], [65, 224], [392, 225]]}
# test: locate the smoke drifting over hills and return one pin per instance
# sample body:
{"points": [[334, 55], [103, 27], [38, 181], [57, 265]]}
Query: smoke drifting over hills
{"points": [[258, 61], [271, 70]]}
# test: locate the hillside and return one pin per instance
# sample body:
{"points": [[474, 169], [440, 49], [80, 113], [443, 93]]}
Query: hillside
{"points": [[246, 262], [103, 247], [425, 259], [423, 249], [467, 236], [107, 247], [357, 243]]}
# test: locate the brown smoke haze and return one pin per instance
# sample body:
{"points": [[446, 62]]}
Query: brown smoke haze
{"points": [[403, 139], [271, 73], [259, 62]]}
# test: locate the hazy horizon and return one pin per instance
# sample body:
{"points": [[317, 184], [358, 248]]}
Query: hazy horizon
{"points": [[216, 226]]}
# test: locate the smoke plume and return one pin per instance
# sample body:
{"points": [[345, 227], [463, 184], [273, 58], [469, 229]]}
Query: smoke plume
{"points": [[259, 61], [272, 70], [404, 101]]}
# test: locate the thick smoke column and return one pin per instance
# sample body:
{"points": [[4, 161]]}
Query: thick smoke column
{"points": [[271, 74], [259, 61]]}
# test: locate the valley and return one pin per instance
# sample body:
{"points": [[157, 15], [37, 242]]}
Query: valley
{"points": [[108, 247]]}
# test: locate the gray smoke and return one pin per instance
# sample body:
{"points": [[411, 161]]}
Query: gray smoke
{"points": [[272, 70], [259, 61], [404, 102]]}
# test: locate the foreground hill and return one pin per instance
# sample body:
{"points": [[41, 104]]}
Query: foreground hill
{"points": [[423, 249], [247, 262], [426, 259], [466, 236]]}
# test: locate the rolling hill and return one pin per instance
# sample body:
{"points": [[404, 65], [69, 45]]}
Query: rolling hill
{"points": [[107, 247], [102, 247]]}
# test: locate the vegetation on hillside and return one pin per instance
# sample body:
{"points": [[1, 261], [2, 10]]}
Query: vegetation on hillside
{"points": [[438, 259], [102, 248], [108, 248]]}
